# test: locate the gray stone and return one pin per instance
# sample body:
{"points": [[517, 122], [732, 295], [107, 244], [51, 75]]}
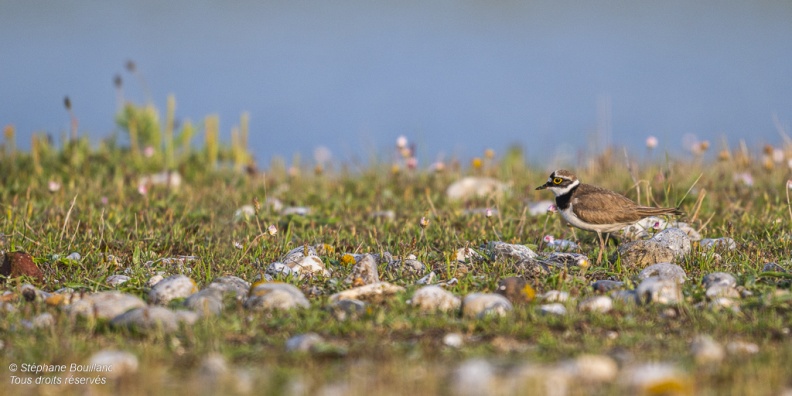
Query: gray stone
{"points": [[553, 309], [156, 278], [347, 309], [117, 280], [506, 251], [706, 351], [592, 368], [186, 317], [724, 303], [123, 363], [660, 291], [664, 271], [555, 296], [723, 244], [364, 272], [43, 321], [773, 267], [148, 318], [275, 295], [308, 266], [599, 304], [297, 254], [407, 267], [231, 285], [674, 239], [467, 255], [665, 246], [720, 290], [479, 305], [560, 245], [172, 287], [278, 269], [303, 342], [434, 298], [374, 292], [428, 279], [719, 278], [643, 253], [625, 296], [640, 229], [206, 302], [104, 305]]}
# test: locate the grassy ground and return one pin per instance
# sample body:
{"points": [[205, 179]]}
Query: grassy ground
{"points": [[392, 349]]}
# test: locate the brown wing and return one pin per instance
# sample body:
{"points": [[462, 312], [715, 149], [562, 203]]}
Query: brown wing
{"points": [[590, 201]]}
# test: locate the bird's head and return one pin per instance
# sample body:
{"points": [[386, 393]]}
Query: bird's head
{"points": [[560, 182]]}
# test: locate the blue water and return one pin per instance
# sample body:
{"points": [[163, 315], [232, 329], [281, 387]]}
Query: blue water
{"points": [[456, 77]]}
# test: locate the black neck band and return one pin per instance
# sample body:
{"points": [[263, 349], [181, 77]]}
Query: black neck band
{"points": [[563, 201]]}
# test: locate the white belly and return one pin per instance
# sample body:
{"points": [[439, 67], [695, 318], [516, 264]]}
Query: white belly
{"points": [[570, 218]]}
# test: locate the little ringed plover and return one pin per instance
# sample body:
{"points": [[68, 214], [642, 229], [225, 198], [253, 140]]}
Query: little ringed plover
{"points": [[593, 208]]}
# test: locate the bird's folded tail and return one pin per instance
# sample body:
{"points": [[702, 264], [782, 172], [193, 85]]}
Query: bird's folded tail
{"points": [[652, 211]]}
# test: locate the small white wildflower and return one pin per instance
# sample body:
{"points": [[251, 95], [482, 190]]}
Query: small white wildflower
{"points": [[238, 245], [272, 229], [744, 177], [651, 142], [401, 142], [53, 186], [778, 155]]}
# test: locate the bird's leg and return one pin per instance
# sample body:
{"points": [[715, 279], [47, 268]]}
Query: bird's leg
{"points": [[602, 247]]}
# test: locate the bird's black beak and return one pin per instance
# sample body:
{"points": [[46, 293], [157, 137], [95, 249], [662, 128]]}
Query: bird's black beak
{"points": [[543, 186]]}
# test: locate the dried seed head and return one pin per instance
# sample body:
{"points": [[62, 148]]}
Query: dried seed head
{"points": [[117, 81], [256, 205], [724, 155], [67, 103], [130, 66]]}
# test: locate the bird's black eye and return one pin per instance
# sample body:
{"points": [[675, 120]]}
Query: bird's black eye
{"points": [[557, 180]]}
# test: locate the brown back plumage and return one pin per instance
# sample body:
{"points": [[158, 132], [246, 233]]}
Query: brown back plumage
{"points": [[589, 202]]}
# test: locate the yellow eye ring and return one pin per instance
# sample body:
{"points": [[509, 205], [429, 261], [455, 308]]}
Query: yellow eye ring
{"points": [[557, 180]]}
